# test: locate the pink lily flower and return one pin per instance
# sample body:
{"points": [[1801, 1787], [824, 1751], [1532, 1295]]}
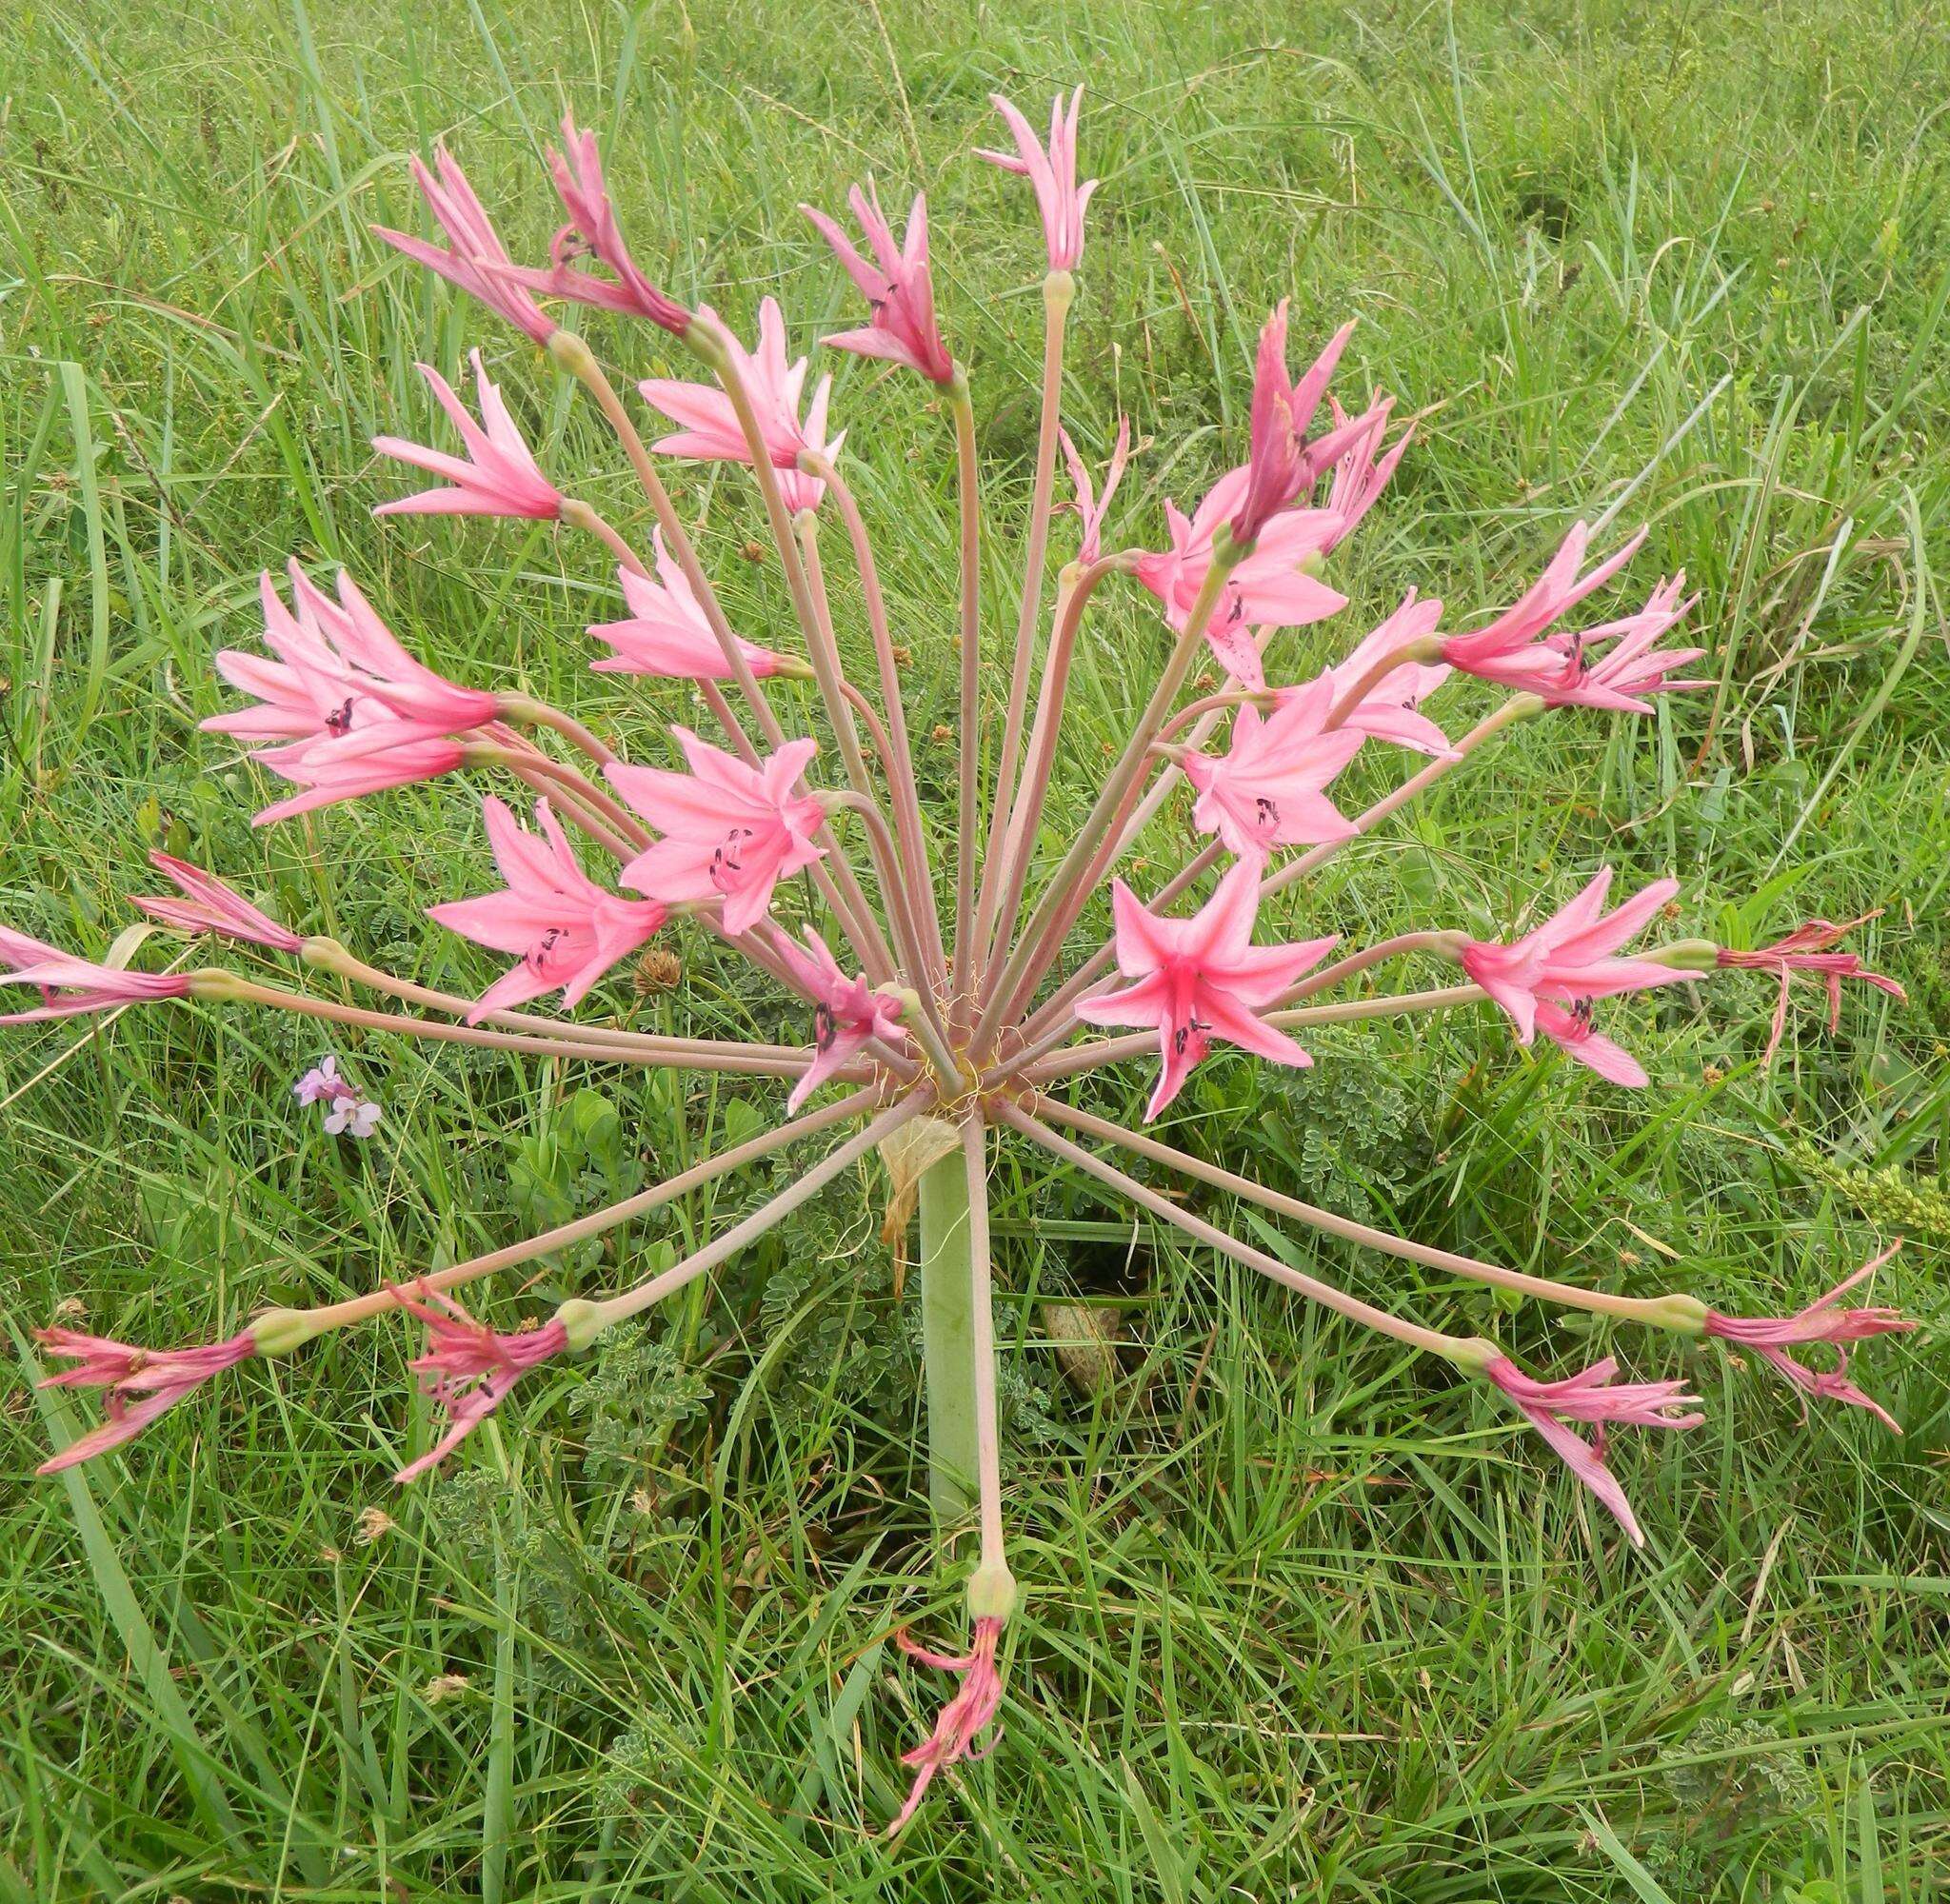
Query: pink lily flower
{"points": [[69, 987], [667, 632], [347, 1108], [497, 477], [1053, 172], [730, 831], [142, 1383], [478, 262], [566, 930], [1770, 1337], [1563, 671], [1284, 463], [1268, 791], [1548, 980], [1390, 709], [1558, 589], [898, 286], [1592, 1396], [1268, 588], [1202, 975], [468, 1369], [209, 906], [712, 432], [847, 1014], [963, 1720], [1807, 949], [1092, 508], [1360, 476]]}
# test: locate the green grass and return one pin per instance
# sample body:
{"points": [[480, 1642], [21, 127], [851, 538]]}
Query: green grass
{"points": [[1304, 1619]]}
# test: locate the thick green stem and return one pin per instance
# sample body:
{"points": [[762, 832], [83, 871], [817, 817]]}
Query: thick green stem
{"points": [[948, 1333]]}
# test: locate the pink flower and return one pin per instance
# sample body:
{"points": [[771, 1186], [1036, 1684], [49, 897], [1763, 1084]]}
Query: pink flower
{"points": [[1559, 588], [1360, 476], [565, 928], [347, 1109], [847, 1014], [1091, 506], [1389, 710], [478, 262], [1548, 980], [209, 906], [68, 985], [467, 1368], [712, 432], [1199, 976], [1268, 588], [964, 1719], [1284, 463], [898, 286], [1593, 1396], [1053, 173], [1770, 1337], [730, 831], [1563, 670], [668, 632], [142, 1383], [1805, 949], [498, 477], [1267, 791]]}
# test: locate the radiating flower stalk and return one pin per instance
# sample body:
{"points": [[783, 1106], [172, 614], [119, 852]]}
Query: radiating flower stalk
{"points": [[936, 954]]}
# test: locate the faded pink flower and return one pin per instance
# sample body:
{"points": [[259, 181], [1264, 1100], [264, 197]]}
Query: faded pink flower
{"points": [[730, 831], [1548, 980], [1092, 508], [1360, 475], [1807, 949], [1592, 1396], [69, 987], [712, 432], [1284, 463], [497, 477], [1390, 709], [1268, 791], [209, 906], [1200, 975], [898, 286], [347, 1109], [1053, 172], [964, 1719], [478, 262], [668, 633], [142, 1383], [1770, 1337], [566, 930], [468, 1369], [1559, 588], [847, 1014]]}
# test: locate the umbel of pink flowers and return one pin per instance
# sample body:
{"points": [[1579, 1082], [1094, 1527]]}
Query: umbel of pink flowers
{"points": [[974, 978]]}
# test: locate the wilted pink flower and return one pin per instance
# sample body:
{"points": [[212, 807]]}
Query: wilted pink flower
{"points": [[1202, 975], [898, 286], [964, 1719], [1360, 475], [478, 262], [1560, 587], [1267, 790], [1053, 173], [1268, 588], [730, 831], [497, 477], [847, 1014], [1770, 1337], [209, 906], [1592, 1396], [712, 432], [467, 1368], [1805, 949], [1284, 463], [565, 928], [1390, 709], [69, 987], [347, 1108], [142, 1383], [668, 633], [1546, 980], [1092, 508]]}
